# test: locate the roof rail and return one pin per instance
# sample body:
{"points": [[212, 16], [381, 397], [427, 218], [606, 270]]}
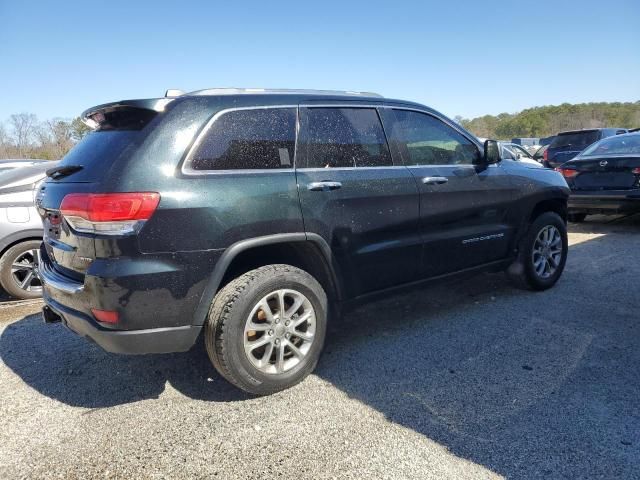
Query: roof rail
{"points": [[281, 91]]}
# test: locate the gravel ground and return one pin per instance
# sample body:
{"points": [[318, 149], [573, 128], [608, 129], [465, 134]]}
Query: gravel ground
{"points": [[470, 379]]}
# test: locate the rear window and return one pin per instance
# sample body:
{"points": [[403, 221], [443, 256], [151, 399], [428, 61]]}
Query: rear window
{"points": [[578, 140], [624, 145], [261, 138], [97, 150], [343, 138]]}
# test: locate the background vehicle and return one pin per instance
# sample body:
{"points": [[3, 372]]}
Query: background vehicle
{"points": [[513, 151], [605, 178], [196, 211], [20, 227], [567, 145]]}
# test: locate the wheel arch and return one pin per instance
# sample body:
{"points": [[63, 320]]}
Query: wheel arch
{"points": [[18, 237], [310, 252], [554, 204]]}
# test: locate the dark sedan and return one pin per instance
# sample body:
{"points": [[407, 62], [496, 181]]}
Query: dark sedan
{"points": [[605, 178]]}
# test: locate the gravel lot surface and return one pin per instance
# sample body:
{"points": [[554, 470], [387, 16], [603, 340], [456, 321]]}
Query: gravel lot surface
{"points": [[470, 379]]}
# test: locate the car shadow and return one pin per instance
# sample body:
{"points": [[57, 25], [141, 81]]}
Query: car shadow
{"points": [[66, 367], [527, 384]]}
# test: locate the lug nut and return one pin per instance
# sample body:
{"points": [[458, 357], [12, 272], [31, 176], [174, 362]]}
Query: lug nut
{"points": [[277, 320], [270, 332], [277, 342], [287, 323], [287, 335]]}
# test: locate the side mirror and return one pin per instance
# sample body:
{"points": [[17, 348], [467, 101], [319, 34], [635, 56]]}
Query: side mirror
{"points": [[491, 152]]}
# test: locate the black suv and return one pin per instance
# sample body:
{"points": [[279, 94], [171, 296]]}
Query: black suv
{"points": [[254, 216], [567, 145]]}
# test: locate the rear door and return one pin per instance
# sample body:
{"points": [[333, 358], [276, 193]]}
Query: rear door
{"points": [[463, 208], [355, 197]]}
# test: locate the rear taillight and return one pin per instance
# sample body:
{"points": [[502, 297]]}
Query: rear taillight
{"points": [[636, 171], [109, 213], [105, 316], [545, 155], [567, 172]]}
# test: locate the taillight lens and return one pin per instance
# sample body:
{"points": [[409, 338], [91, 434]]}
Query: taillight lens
{"points": [[567, 172], [636, 171], [109, 213], [544, 155], [105, 316]]}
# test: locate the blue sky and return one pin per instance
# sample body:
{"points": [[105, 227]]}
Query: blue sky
{"points": [[462, 58]]}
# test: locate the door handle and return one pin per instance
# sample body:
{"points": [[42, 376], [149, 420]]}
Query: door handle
{"points": [[434, 180], [323, 186]]}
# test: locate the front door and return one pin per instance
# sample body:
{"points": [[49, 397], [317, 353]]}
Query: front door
{"points": [[352, 195], [463, 207]]}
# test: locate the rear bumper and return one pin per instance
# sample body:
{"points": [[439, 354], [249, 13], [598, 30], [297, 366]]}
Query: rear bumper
{"points": [[152, 340], [611, 201]]}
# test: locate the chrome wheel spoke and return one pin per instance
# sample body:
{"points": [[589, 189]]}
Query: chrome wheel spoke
{"points": [[280, 358], [262, 341], [258, 327], [295, 350], [27, 281], [301, 319], [266, 356], [20, 267], [303, 335]]}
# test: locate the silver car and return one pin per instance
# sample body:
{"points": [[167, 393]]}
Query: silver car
{"points": [[20, 226]]}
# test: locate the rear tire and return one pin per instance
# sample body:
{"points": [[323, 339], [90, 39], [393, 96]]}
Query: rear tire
{"points": [[542, 254], [17, 270], [256, 334], [576, 217]]}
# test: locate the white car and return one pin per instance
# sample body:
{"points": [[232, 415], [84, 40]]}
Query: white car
{"points": [[517, 153]]}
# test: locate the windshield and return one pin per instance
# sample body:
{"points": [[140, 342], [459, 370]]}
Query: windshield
{"points": [[577, 140], [619, 145]]}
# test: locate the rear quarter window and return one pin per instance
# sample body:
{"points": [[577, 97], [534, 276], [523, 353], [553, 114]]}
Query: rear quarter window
{"points": [[260, 138]]}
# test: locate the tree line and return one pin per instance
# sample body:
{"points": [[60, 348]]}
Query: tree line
{"points": [[549, 120], [24, 136]]}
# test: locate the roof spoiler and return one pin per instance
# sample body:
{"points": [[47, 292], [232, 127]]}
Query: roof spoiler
{"points": [[95, 117]]}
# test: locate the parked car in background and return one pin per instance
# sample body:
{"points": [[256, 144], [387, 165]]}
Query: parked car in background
{"points": [[605, 178], [513, 151], [20, 227], [246, 218], [567, 145], [10, 163]]}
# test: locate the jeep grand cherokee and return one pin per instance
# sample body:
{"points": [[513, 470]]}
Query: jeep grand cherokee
{"points": [[253, 216]]}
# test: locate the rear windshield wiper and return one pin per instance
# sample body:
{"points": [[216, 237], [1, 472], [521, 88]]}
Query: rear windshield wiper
{"points": [[59, 172]]}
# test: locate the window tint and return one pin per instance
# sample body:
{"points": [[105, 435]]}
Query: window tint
{"points": [[429, 141], [578, 140], [343, 137], [248, 139]]}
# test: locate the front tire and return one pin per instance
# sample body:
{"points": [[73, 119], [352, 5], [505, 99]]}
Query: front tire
{"points": [[18, 275], [265, 330], [542, 253]]}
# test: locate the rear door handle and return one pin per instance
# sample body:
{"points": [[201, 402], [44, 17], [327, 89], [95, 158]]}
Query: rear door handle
{"points": [[434, 180], [323, 186]]}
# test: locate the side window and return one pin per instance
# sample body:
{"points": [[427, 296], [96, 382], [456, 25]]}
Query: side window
{"points": [[428, 141], [248, 139], [342, 137]]}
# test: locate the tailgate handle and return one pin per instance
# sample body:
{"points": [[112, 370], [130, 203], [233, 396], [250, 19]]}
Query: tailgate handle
{"points": [[323, 186], [434, 180]]}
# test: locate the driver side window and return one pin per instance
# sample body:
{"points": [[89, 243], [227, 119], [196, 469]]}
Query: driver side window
{"points": [[425, 140]]}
